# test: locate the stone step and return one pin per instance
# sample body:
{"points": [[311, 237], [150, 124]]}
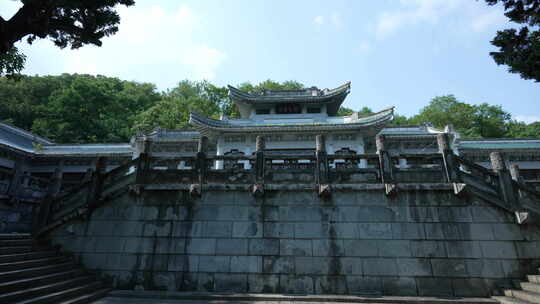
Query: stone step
{"points": [[533, 278], [64, 295], [36, 271], [88, 298], [13, 236], [15, 249], [16, 242], [523, 295], [6, 258], [34, 292], [40, 280], [509, 300], [4, 267], [533, 287]]}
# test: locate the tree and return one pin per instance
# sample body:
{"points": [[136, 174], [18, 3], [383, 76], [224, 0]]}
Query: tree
{"points": [[172, 111], [66, 22], [519, 50], [470, 120], [75, 108], [12, 62], [518, 129]]}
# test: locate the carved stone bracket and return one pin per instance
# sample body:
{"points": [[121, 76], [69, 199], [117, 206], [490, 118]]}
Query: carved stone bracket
{"points": [[195, 190], [136, 189], [325, 191], [390, 189], [257, 190]]}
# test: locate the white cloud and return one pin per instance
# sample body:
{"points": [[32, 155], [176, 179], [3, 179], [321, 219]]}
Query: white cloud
{"points": [[478, 16], [364, 46], [9, 8], [527, 118], [487, 20], [334, 19], [319, 20], [152, 44]]}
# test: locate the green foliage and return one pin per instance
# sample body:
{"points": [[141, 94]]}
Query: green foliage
{"points": [[519, 50], [75, 108], [344, 111], [172, 112], [470, 120], [516, 129], [71, 23], [11, 62]]}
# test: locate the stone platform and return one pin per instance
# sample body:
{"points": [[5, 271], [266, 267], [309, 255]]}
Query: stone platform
{"points": [[168, 297]]}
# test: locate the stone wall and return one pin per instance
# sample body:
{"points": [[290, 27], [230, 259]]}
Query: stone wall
{"points": [[15, 217], [421, 242]]}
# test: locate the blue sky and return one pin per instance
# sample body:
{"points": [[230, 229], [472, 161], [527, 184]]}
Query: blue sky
{"points": [[395, 52]]}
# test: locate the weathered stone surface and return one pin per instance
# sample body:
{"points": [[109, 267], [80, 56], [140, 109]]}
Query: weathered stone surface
{"points": [[424, 242], [231, 246], [263, 247]]}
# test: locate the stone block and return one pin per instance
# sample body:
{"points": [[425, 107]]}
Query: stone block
{"points": [[399, 286], [512, 269], [201, 246], [455, 214], [138, 245], [165, 245], [157, 228], [328, 247], [470, 287], [188, 229], [263, 246], [311, 230], [366, 214], [527, 250], [230, 282], [247, 264], [443, 231], [504, 232], [270, 213], [343, 230], [364, 285], [278, 264], [424, 214], [463, 249], [380, 266], [206, 282], [478, 232], [127, 228], [414, 267], [489, 215], [177, 262], [449, 267], [360, 248], [247, 230], [218, 229], [263, 283], [434, 286], [153, 262], [498, 249], [232, 246], [428, 249], [214, 264], [300, 214], [485, 268], [174, 213], [109, 244], [375, 231], [394, 248], [278, 230], [408, 231], [351, 266], [149, 213], [296, 284], [216, 197], [330, 284], [164, 280], [295, 247]]}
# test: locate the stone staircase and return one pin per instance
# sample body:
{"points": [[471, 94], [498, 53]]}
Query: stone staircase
{"points": [[31, 272], [529, 292]]}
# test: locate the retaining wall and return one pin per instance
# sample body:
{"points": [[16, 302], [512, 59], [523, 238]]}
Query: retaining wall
{"points": [[423, 241]]}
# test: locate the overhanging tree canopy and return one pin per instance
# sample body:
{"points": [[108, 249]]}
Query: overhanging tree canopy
{"points": [[71, 23]]}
